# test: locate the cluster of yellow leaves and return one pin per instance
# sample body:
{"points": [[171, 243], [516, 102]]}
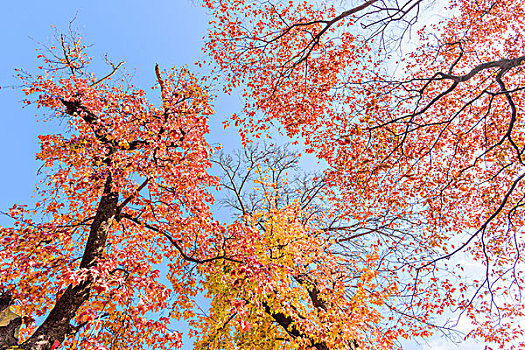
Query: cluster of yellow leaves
{"points": [[290, 292]]}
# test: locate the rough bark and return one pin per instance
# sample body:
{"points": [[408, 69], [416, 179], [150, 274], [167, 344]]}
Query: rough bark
{"points": [[288, 325], [9, 322], [57, 325]]}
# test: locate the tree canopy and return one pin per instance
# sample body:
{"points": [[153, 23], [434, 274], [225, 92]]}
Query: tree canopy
{"points": [[424, 168]]}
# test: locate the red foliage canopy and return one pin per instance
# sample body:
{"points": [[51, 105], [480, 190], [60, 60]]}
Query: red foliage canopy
{"points": [[424, 174]]}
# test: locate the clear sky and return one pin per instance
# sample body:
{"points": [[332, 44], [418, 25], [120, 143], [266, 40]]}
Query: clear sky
{"points": [[141, 33]]}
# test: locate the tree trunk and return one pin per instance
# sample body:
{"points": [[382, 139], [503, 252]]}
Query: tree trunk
{"points": [[57, 324]]}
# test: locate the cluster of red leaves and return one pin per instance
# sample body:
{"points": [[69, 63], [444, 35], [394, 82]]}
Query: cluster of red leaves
{"points": [[435, 155], [155, 159]]}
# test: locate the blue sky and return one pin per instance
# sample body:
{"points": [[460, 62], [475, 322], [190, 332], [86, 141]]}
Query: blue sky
{"points": [[142, 33]]}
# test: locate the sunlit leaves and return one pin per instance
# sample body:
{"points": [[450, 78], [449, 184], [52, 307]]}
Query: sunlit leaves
{"points": [[156, 160], [430, 160]]}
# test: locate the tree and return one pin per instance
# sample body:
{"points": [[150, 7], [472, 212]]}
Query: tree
{"points": [[125, 190], [9, 322], [437, 147], [291, 290], [311, 278]]}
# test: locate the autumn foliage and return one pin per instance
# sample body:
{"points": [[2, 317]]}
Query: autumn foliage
{"points": [[431, 157], [423, 178], [124, 187]]}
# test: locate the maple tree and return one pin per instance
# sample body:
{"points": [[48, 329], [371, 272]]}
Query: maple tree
{"points": [[125, 190]]}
